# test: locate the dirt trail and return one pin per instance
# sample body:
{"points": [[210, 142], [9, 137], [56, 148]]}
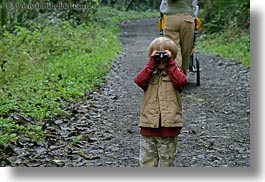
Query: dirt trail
{"points": [[103, 131], [216, 115]]}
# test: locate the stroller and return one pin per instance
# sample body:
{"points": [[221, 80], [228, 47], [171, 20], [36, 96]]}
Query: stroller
{"points": [[194, 63]]}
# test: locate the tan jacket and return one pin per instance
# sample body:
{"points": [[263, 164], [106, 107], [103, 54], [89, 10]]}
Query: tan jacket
{"points": [[162, 95], [161, 99]]}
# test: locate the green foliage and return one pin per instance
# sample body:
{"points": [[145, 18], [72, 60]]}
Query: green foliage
{"points": [[135, 5], [233, 43], [19, 13], [9, 130], [225, 29], [48, 64], [61, 63], [218, 15], [7, 127], [113, 16]]}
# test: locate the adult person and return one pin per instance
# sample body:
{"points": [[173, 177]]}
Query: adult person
{"points": [[179, 26]]}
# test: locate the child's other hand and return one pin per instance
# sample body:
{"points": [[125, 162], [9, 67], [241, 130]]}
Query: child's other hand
{"points": [[153, 53], [151, 61], [171, 61], [169, 54]]}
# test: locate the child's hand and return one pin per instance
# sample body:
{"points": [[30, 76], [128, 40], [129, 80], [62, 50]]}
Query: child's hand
{"points": [[151, 61], [153, 53], [169, 54], [171, 61]]}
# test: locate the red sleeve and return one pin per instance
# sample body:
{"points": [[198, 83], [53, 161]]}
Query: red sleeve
{"points": [[143, 77], [177, 76]]}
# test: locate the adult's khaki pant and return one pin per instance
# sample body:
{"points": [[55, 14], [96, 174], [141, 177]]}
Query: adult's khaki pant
{"points": [[180, 28]]}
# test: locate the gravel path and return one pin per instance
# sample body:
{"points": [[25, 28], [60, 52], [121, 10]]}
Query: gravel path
{"points": [[103, 130]]}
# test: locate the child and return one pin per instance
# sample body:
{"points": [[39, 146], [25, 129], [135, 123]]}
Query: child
{"points": [[161, 110]]}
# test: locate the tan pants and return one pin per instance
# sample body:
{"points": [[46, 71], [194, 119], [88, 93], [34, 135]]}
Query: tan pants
{"points": [[180, 28], [157, 151]]}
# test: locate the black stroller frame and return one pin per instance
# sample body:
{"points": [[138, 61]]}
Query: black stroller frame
{"points": [[194, 63]]}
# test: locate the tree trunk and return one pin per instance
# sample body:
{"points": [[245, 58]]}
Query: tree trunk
{"points": [[109, 2], [129, 5], [124, 3], [3, 13]]}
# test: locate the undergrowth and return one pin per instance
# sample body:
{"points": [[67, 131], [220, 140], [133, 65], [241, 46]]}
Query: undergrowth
{"points": [[232, 43], [46, 65]]}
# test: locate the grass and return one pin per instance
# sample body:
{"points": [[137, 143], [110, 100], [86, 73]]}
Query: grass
{"points": [[233, 44], [44, 67]]}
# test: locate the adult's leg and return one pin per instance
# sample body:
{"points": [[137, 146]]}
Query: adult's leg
{"points": [[186, 40], [171, 31]]}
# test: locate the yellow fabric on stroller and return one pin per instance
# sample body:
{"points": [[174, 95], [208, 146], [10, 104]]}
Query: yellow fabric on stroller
{"points": [[161, 22]]}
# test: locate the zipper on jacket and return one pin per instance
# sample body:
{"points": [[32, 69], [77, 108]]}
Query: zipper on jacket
{"points": [[158, 88]]}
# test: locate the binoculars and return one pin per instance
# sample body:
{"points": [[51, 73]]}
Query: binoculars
{"points": [[161, 56]]}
